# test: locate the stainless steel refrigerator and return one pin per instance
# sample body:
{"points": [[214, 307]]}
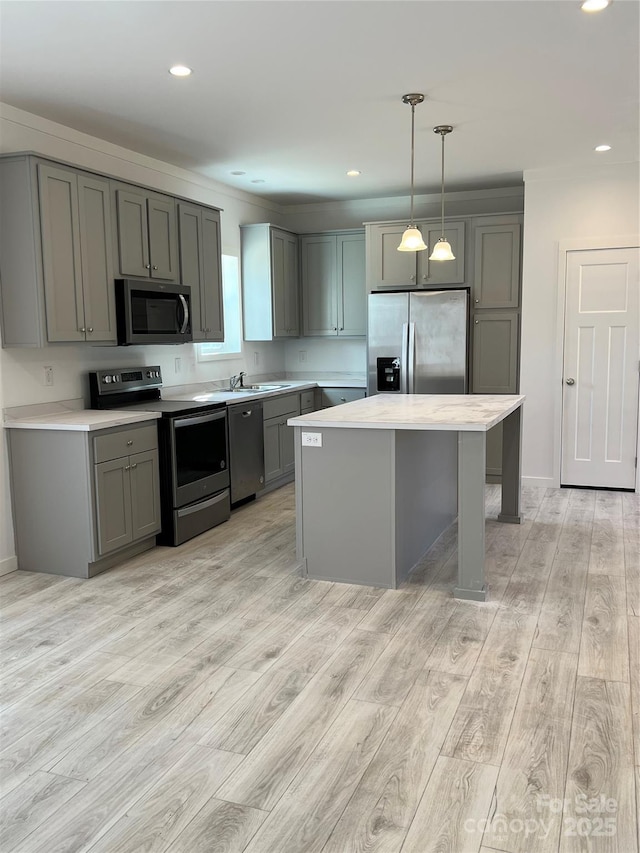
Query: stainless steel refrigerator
{"points": [[418, 342]]}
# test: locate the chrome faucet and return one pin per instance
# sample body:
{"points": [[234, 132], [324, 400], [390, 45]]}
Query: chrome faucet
{"points": [[237, 380]]}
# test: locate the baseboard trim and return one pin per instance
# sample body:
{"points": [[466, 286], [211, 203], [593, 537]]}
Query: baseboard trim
{"points": [[542, 482], [8, 565]]}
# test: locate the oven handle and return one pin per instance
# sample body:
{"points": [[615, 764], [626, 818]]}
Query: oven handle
{"points": [[185, 314], [216, 499], [189, 420]]}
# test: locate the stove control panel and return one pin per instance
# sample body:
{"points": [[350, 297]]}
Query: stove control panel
{"points": [[119, 380]]}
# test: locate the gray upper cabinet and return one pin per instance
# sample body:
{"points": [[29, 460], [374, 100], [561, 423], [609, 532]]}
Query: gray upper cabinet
{"points": [[200, 269], [496, 282], [270, 283], [440, 273], [55, 254], [76, 255], [387, 267], [147, 234], [333, 284]]}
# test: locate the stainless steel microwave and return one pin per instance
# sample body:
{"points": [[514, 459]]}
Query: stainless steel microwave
{"points": [[149, 312]]}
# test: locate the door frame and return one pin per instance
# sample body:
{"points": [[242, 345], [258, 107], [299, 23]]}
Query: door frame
{"points": [[564, 248]]}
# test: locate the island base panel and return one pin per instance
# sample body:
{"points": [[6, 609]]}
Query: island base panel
{"points": [[511, 465], [372, 502]]}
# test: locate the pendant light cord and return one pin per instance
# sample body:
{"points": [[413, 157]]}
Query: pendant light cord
{"points": [[442, 189], [413, 113]]}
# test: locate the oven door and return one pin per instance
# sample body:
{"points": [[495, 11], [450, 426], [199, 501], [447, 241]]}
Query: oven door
{"points": [[199, 457]]}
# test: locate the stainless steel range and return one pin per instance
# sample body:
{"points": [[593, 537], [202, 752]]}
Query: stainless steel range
{"points": [[193, 440]]}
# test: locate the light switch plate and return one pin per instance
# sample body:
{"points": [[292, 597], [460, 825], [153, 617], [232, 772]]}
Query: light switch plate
{"points": [[312, 439]]}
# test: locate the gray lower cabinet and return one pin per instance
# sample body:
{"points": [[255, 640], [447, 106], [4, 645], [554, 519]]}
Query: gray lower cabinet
{"points": [[278, 437], [147, 245], [332, 267], [270, 282], [200, 269], [387, 267], [495, 352], [84, 501], [56, 267], [337, 396]]}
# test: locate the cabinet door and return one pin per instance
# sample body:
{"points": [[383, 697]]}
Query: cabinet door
{"points": [[436, 273], [388, 266], [319, 285], [62, 267], [113, 505], [163, 246], [495, 352], [96, 257], [287, 447], [133, 233], [190, 232], [145, 494], [496, 281], [352, 285], [272, 451], [284, 281], [211, 295]]}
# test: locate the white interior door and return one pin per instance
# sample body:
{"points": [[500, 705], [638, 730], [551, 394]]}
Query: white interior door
{"points": [[601, 351]]}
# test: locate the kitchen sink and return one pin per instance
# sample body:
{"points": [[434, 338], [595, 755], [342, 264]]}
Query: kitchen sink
{"points": [[256, 388]]}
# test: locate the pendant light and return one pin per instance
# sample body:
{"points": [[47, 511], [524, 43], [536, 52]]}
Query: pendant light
{"points": [[412, 238], [442, 249]]}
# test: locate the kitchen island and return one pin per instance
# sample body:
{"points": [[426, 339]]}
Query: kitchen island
{"points": [[379, 480]]}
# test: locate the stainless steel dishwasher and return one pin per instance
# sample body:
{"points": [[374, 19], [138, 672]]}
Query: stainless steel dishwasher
{"points": [[246, 450]]}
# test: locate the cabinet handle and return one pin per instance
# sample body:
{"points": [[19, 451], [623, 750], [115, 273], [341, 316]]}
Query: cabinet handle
{"points": [[477, 321], [135, 465], [155, 267], [412, 278], [90, 329], [425, 277], [342, 328], [83, 330], [335, 328], [147, 266], [130, 442], [343, 399], [127, 467], [477, 300]]}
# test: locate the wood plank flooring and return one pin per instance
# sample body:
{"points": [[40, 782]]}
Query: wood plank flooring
{"points": [[208, 699]]}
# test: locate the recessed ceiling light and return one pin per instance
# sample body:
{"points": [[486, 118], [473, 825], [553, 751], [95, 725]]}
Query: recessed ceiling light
{"points": [[595, 5], [603, 148], [257, 181], [237, 173], [353, 173], [180, 71]]}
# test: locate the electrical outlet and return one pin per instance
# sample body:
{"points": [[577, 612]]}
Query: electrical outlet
{"points": [[302, 355], [312, 439], [48, 374], [256, 359], [178, 364]]}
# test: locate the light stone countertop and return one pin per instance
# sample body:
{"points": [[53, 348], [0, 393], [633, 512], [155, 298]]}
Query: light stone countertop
{"points": [[290, 386], [83, 420], [460, 412]]}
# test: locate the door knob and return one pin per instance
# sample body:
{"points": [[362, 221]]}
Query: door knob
{"points": [[571, 381]]}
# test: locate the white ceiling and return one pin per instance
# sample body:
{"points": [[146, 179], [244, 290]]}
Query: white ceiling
{"points": [[295, 93]]}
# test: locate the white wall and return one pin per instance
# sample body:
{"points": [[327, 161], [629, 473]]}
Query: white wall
{"points": [[560, 205]]}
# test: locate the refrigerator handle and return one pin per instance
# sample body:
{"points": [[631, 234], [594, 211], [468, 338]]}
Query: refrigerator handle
{"points": [[411, 359], [404, 360]]}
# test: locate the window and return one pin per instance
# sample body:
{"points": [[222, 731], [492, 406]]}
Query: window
{"points": [[232, 346]]}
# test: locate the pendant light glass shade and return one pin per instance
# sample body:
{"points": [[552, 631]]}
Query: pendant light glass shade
{"points": [[412, 241], [412, 238], [442, 249]]}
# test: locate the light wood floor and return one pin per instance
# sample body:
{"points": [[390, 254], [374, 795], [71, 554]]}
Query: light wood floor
{"points": [[207, 699]]}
